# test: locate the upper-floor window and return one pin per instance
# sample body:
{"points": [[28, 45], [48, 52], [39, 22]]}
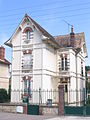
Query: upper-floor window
{"points": [[82, 69], [28, 34], [27, 59], [64, 65]]}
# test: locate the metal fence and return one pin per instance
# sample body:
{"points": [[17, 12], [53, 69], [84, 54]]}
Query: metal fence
{"points": [[41, 97], [75, 97], [72, 97]]}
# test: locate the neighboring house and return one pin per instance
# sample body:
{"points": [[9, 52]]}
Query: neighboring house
{"points": [[88, 80], [4, 70], [40, 60], [88, 76]]}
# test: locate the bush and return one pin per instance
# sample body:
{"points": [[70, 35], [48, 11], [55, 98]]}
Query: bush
{"points": [[3, 96]]}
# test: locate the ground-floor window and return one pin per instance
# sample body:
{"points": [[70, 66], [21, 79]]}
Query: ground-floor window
{"points": [[27, 86]]}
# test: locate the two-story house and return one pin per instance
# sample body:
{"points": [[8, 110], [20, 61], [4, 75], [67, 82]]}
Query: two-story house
{"points": [[42, 61], [4, 70]]}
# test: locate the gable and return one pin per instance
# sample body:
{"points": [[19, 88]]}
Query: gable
{"points": [[45, 35]]}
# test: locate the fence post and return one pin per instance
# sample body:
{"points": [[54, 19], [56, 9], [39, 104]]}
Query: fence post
{"points": [[61, 100], [40, 99], [84, 104]]}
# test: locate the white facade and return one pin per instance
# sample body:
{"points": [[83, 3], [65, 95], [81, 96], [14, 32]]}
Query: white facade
{"points": [[36, 61]]}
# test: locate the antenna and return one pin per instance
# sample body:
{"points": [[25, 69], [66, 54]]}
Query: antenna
{"points": [[68, 24]]}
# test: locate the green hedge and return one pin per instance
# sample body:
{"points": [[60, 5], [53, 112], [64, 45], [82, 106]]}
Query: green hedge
{"points": [[3, 96]]}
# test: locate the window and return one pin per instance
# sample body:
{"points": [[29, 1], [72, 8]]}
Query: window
{"points": [[64, 63], [27, 87], [82, 69], [66, 89], [28, 62], [28, 34]]}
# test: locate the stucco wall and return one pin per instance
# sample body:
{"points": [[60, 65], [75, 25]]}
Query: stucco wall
{"points": [[4, 76]]}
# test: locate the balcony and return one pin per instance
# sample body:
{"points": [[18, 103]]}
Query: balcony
{"points": [[64, 72], [27, 68]]}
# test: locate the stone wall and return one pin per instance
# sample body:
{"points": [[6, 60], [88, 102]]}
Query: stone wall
{"points": [[45, 110], [13, 108]]}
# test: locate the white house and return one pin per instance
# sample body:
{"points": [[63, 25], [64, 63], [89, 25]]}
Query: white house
{"points": [[4, 70], [42, 61]]}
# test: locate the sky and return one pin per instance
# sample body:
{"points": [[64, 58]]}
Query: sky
{"points": [[56, 16]]}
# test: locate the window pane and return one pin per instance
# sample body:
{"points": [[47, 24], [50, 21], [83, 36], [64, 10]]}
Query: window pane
{"points": [[66, 64], [25, 86], [28, 34], [66, 89], [29, 88], [62, 65], [27, 61]]}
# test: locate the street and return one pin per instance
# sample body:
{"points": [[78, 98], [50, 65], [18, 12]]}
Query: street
{"points": [[10, 116]]}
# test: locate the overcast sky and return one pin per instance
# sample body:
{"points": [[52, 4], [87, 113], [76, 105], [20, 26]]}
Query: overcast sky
{"points": [[53, 15]]}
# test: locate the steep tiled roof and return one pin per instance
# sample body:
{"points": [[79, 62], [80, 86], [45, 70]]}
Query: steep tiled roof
{"points": [[64, 40]]}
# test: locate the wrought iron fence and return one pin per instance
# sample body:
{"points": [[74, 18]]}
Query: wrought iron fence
{"points": [[75, 97], [46, 97], [41, 97]]}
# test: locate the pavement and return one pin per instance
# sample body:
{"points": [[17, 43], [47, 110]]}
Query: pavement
{"points": [[70, 118], [11, 116]]}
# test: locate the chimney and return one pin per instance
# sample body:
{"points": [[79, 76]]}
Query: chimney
{"points": [[72, 37], [2, 53]]}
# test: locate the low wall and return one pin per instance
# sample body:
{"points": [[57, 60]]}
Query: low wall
{"points": [[46, 110], [13, 107]]}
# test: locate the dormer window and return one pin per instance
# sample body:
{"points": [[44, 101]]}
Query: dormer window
{"points": [[28, 34]]}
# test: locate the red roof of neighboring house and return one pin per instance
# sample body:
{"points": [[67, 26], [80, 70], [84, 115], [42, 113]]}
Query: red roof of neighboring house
{"points": [[5, 62], [88, 73]]}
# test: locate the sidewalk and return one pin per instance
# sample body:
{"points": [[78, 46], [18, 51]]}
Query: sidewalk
{"points": [[10, 116], [70, 118], [13, 116]]}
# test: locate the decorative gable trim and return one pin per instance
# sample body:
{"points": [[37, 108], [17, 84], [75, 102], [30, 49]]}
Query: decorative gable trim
{"points": [[27, 28]]}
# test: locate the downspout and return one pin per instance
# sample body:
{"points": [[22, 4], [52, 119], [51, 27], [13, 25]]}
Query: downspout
{"points": [[41, 66], [76, 53], [76, 79], [20, 65]]}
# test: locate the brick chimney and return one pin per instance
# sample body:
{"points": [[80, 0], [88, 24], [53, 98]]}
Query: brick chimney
{"points": [[72, 37], [2, 53]]}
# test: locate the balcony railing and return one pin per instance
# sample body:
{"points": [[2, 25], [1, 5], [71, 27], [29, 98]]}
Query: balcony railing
{"points": [[64, 72], [26, 41], [27, 67]]}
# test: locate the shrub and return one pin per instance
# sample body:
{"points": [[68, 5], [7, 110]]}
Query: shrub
{"points": [[3, 96]]}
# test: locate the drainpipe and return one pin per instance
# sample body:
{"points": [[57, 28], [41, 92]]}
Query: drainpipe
{"points": [[20, 65], [76, 53], [76, 79]]}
